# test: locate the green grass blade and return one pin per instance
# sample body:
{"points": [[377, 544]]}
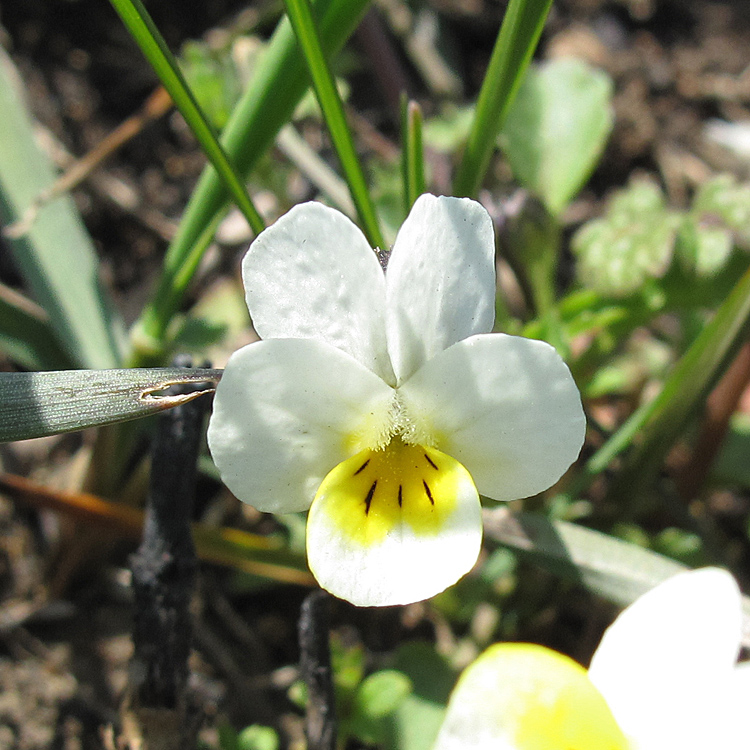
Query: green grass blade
{"points": [[26, 335], [55, 254], [138, 22], [279, 83], [412, 152], [34, 404], [514, 47], [303, 23]]}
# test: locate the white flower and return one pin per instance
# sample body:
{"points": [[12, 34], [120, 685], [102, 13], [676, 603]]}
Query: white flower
{"points": [[381, 402], [664, 677]]}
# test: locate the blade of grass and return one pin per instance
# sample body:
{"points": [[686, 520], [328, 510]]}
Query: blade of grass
{"points": [[412, 152], [34, 404], [139, 23], [516, 42], [305, 29], [55, 254], [262, 556], [277, 86]]}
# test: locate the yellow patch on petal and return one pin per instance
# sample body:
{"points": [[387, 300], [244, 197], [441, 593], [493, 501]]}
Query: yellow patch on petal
{"points": [[540, 700], [373, 492]]}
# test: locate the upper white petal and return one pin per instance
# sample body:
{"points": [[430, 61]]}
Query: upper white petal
{"points": [[665, 662], [506, 407], [440, 280], [284, 415], [313, 275]]}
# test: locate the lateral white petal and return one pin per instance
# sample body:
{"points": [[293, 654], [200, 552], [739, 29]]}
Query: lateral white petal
{"points": [[400, 563], [506, 407], [284, 415], [440, 282], [664, 663], [313, 275]]}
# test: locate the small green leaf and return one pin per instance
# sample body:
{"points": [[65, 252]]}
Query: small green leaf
{"points": [[448, 131], [382, 693], [257, 737], [557, 127], [213, 78], [34, 404], [377, 698], [631, 243]]}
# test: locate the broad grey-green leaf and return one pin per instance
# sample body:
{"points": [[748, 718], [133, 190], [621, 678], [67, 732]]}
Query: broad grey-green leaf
{"points": [[614, 569], [34, 404], [632, 242], [55, 255], [557, 128]]}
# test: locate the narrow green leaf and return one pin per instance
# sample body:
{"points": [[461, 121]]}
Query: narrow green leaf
{"points": [[138, 22], [514, 47], [275, 89], [54, 254], [303, 23], [412, 152], [609, 567], [26, 335], [34, 404]]}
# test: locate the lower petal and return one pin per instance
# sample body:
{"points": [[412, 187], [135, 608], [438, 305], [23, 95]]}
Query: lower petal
{"points": [[519, 696], [394, 526]]}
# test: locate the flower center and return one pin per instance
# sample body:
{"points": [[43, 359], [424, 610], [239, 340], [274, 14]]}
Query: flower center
{"points": [[390, 426], [376, 491]]}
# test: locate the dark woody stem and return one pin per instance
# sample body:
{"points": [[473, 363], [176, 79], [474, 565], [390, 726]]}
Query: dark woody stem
{"points": [[164, 567], [315, 668]]}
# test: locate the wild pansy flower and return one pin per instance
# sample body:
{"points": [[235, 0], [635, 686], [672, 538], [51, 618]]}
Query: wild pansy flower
{"points": [[664, 676], [381, 402]]}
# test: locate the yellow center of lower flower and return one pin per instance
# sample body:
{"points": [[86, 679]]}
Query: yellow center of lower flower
{"points": [[373, 493]]}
